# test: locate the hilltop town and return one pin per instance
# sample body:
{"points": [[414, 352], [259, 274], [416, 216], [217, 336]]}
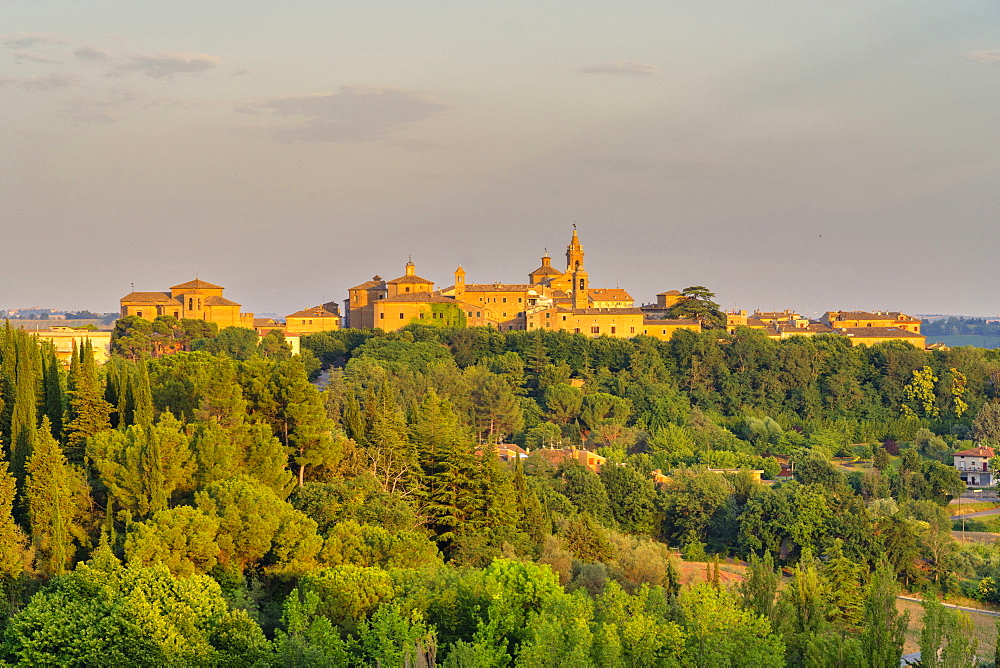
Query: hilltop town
{"points": [[555, 299]]}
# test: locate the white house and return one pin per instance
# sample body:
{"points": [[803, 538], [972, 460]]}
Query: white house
{"points": [[974, 465]]}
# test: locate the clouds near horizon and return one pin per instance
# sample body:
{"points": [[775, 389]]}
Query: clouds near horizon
{"points": [[620, 68], [351, 114], [987, 57]]}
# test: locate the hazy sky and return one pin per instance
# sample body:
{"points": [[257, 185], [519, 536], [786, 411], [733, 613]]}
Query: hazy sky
{"points": [[806, 154]]}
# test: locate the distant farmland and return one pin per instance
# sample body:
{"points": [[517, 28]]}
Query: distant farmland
{"points": [[956, 340]]}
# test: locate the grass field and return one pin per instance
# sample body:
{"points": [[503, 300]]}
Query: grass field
{"points": [[966, 508]]}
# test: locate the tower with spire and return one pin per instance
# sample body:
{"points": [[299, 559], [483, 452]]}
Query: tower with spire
{"points": [[574, 253]]}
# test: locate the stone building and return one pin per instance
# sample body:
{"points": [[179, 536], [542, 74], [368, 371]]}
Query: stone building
{"points": [[551, 299], [195, 300]]}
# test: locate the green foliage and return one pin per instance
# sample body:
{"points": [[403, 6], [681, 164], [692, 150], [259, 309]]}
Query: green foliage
{"points": [[107, 615]]}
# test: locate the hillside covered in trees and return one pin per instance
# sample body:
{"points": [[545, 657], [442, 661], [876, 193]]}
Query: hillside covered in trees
{"points": [[199, 501]]}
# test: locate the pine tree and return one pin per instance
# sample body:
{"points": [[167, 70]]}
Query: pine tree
{"points": [[392, 457], [451, 500], [50, 491], [534, 522]]}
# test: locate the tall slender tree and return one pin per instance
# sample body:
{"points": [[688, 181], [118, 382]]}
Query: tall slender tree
{"points": [[53, 508]]}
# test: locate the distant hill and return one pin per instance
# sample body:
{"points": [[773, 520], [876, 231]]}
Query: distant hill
{"points": [[966, 340]]}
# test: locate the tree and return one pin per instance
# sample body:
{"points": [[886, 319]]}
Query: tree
{"points": [[254, 523], [88, 411], [883, 626], [142, 467], [451, 500], [759, 589], [182, 538], [881, 459], [52, 491], [697, 303], [721, 633], [986, 425], [103, 614], [630, 497], [947, 639], [14, 555]]}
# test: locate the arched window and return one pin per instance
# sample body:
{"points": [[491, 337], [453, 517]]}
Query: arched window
{"points": [[190, 304], [581, 284]]}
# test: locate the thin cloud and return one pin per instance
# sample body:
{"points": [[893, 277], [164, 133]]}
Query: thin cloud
{"points": [[35, 57], [41, 82], [92, 53], [988, 57], [352, 114], [27, 40], [621, 68], [166, 65]]}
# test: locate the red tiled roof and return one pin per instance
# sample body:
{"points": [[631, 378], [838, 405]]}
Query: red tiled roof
{"points": [[410, 279], [219, 301], [197, 284], [609, 294], [314, 312], [155, 297], [978, 451]]}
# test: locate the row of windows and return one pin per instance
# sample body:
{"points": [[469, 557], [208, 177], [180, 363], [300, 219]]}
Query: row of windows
{"points": [[503, 300]]}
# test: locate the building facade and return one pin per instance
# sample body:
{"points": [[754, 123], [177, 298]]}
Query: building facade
{"points": [[974, 466], [195, 300], [552, 299]]}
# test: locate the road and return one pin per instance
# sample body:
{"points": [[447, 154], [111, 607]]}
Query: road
{"points": [[955, 607]]}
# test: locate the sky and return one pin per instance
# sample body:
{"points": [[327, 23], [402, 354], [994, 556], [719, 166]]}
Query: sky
{"points": [[803, 154]]}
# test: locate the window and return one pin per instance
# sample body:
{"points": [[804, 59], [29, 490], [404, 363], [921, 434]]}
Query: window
{"points": [[519, 300], [548, 315], [631, 330], [504, 300], [421, 316], [381, 316], [582, 286], [310, 322], [190, 304], [401, 316], [505, 315], [613, 330], [595, 330], [356, 298], [177, 314], [138, 314], [406, 289], [576, 331], [564, 318], [479, 314]]}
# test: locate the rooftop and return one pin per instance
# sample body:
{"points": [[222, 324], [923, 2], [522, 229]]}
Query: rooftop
{"points": [[197, 284]]}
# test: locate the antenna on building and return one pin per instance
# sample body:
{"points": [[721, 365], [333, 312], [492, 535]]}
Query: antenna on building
{"points": [[133, 287]]}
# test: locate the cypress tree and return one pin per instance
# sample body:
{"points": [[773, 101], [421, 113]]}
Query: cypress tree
{"points": [[13, 542], [49, 490], [55, 407], [24, 416], [88, 410], [142, 396]]}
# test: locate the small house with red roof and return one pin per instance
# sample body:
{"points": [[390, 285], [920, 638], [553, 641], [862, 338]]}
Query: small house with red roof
{"points": [[974, 465]]}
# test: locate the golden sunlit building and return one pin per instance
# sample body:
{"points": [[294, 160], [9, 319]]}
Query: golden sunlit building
{"points": [[551, 299], [195, 300]]}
